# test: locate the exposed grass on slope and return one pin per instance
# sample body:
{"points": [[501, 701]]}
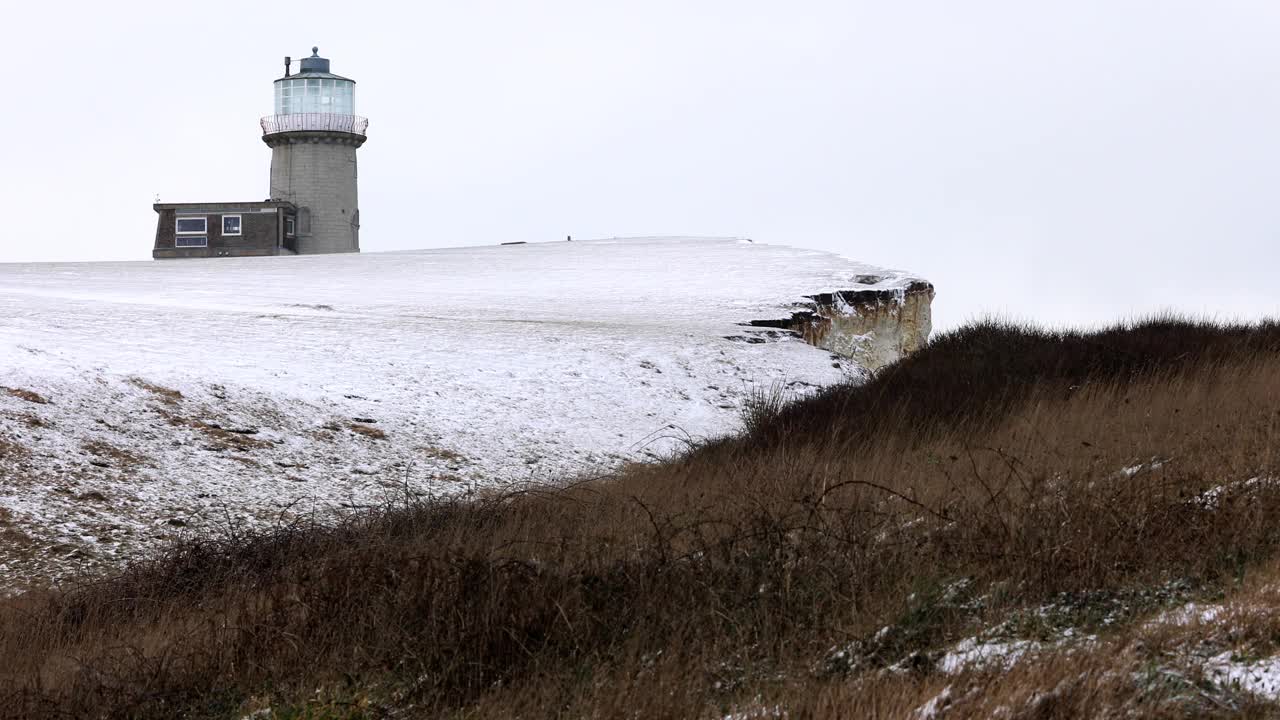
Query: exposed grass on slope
{"points": [[820, 564], [972, 376]]}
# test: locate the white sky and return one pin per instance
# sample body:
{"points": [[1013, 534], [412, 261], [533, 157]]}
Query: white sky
{"points": [[1062, 160]]}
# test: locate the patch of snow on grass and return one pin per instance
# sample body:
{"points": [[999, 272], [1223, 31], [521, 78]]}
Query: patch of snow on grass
{"points": [[1210, 498], [1190, 614], [972, 653], [1154, 464], [757, 713], [935, 707], [1262, 678]]}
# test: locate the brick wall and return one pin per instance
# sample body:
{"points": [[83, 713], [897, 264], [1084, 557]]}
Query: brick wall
{"points": [[260, 231]]}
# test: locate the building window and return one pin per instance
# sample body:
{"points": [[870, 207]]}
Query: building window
{"points": [[192, 225], [230, 225], [191, 241], [288, 227]]}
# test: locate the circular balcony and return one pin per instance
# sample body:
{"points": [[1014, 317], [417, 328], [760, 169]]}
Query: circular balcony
{"points": [[314, 122]]}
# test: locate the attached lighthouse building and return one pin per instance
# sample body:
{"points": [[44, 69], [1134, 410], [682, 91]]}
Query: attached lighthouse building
{"points": [[313, 204]]}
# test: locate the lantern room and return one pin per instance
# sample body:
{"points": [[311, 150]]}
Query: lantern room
{"points": [[314, 90]]}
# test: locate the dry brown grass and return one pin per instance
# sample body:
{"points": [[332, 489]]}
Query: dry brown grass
{"points": [[31, 420], [11, 537], [24, 394], [372, 433], [441, 453], [116, 455], [218, 437], [223, 438], [818, 564], [12, 450], [168, 396]]}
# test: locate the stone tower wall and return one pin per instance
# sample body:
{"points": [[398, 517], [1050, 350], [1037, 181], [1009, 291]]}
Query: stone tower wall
{"points": [[317, 172]]}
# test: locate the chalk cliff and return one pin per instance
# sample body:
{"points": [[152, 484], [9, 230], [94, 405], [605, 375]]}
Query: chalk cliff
{"points": [[874, 325]]}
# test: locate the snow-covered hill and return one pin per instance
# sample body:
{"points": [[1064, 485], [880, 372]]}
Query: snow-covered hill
{"points": [[138, 400]]}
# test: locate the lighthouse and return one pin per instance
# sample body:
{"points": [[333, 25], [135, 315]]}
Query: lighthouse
{"points": [[313, 206], [313, 135]]}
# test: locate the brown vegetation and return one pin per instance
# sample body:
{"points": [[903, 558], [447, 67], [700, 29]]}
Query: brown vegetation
{"points": [[219, 438], [168, 396], [29, 419], [117, 455], [12, 451], [24, 394], [441, 453], [816, 566], [372, 433]]}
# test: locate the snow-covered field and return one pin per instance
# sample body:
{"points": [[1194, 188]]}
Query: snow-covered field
{"points": [[139, 400]]}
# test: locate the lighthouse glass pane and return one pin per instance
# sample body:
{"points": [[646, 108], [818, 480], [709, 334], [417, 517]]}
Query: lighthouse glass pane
{"points": [[288, 96], [342, 98], [311, 97]]}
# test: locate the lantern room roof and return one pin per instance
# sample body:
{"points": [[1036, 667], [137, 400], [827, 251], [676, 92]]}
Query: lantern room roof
{"points": [[314, 67], [319, 75]]}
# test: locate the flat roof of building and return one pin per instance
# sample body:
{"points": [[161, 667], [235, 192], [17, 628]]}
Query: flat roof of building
{"points": [[226, 206]]}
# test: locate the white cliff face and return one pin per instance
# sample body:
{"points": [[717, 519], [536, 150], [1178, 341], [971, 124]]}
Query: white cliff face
{"points": [[141, 399], [874, 320], [874, 327]]}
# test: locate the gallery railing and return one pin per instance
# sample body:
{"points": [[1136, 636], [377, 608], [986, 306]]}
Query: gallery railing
{"points": [[300, 122]]}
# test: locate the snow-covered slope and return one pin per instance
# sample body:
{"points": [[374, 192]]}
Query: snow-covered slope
{"points": [[138, 399]]}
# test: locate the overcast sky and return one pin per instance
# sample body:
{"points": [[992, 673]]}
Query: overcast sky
{"points": [[1070, 161]]}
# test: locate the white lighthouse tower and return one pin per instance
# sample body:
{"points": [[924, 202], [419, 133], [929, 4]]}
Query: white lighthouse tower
{"points": [[313, 137]]}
